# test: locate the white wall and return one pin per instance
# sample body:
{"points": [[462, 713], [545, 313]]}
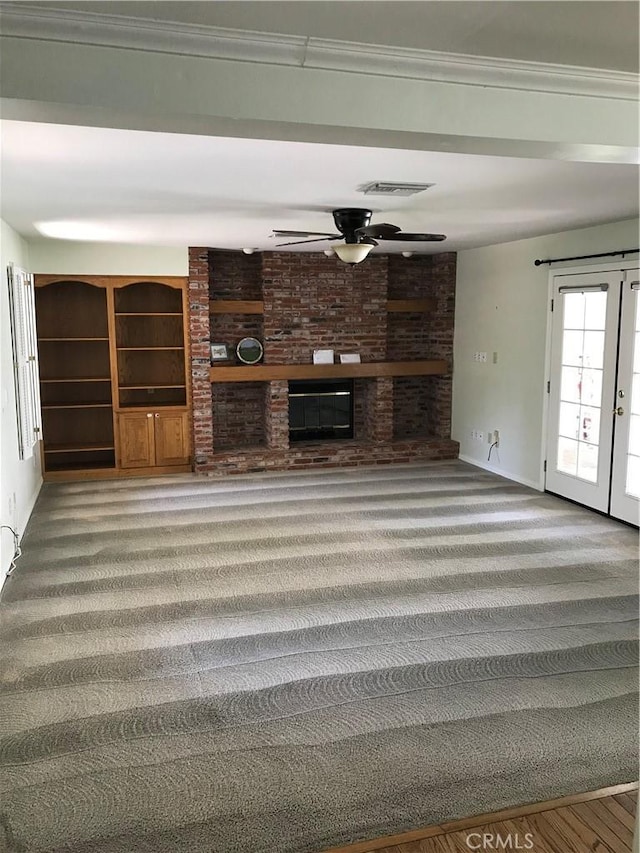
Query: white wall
{"points": [[75, 258], [502, 306], [20, 481]]}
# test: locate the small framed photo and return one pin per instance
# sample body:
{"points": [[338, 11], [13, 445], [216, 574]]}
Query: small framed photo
{"points": [[323, 356], [349, 358], [219, 352]]}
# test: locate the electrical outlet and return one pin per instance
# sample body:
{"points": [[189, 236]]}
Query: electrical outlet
{"points": [[496, 437], [476, 435]]}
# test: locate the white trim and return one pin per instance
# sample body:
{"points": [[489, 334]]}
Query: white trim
{"points": [[28, 510], [470, 70], [486, 466], [27, 20], [20, 525], [555, 271]]}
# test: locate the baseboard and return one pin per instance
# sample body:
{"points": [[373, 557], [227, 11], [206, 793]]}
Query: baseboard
{"points": [[21, 525], [29, 509], [501, 472]]}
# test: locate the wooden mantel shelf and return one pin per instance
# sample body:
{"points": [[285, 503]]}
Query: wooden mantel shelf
{"points": [[237, 306], [268, 372]]}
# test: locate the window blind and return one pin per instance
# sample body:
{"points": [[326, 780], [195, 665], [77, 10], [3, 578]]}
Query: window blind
{"points": [[25, 359]]}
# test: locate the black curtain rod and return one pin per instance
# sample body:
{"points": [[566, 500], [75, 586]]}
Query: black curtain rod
{"points": [[622, 252]]}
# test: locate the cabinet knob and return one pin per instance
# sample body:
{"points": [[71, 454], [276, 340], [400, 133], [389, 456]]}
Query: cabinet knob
{"points": [[149, 415], [157, 414]]}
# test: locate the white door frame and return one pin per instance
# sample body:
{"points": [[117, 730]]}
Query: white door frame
{"points": [[594, 267], [623, 505]]}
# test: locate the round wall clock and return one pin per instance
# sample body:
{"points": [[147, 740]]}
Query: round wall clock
{"points": [[249, 351]]}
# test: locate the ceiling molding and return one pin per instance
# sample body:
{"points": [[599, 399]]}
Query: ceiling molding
{"points": [[27, 20]]}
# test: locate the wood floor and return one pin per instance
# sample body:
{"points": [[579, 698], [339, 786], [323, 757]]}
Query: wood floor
{"points": [[597, 822]]}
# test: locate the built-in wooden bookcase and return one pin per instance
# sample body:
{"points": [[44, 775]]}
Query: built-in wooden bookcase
{"points": [[150, 345], [109, 345], [75, 376]]}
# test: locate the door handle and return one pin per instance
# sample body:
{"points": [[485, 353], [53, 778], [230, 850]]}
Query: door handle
{"points": [[618, 411]]}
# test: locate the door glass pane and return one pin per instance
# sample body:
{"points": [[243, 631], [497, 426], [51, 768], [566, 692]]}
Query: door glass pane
{"points": [[589, 424], [595, 310], [634, 435], [570, 384], [583, 340], [573, 347], [569, 420], [633, 476], [634, 403], [591, 388], [593, 349], [588, 461], [573, 310], [567, 456]]}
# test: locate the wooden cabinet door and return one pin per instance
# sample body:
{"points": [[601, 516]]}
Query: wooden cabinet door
{"points": [[137, 445], [171, 438]]}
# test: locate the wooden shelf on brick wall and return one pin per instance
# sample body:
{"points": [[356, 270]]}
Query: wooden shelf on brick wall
{"points": [[269, 372], [235, 306], [411, 306], [243, 306]]}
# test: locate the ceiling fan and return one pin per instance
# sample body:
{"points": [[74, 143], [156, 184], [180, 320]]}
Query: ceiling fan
{"points": [[353, 225]]}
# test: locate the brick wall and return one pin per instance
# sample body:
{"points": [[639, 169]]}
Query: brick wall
{"points": [[314, 302], [199, 337], [277, 414], [234, 275], [422, 404], [238, 414]]}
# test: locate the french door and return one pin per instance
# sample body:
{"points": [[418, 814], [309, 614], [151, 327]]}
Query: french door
{"points": [[593, 440]]}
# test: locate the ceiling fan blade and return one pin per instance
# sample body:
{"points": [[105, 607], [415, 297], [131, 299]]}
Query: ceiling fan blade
{"points": [[278, 233], [415, 238], [381, 231], [315, 240]]}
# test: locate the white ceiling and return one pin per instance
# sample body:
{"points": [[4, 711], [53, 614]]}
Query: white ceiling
{"points": [[592, 34], [175, 189]]}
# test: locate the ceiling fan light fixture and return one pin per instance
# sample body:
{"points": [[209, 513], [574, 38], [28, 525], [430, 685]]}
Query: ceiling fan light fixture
{"points": [[329, 252], [248, 251], [352, 253], [407, 254]]}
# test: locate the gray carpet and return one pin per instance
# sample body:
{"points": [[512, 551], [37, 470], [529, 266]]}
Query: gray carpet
{"points": [[281, 663]]}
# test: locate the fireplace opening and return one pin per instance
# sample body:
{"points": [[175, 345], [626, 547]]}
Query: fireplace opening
{"points": [[320, 409]]}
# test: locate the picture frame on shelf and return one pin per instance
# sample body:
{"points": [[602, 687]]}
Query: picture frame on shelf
{"points": [[323, 356], [219, 352]]}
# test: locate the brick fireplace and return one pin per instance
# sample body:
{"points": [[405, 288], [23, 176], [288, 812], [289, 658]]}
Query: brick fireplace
{"points": [[396, 312]]}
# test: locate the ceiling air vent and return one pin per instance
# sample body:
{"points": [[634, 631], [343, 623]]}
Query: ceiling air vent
{"points": [[394, 188]]}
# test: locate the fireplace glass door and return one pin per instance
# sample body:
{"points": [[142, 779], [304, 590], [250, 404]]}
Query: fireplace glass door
{"points": [[320, 410]]}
